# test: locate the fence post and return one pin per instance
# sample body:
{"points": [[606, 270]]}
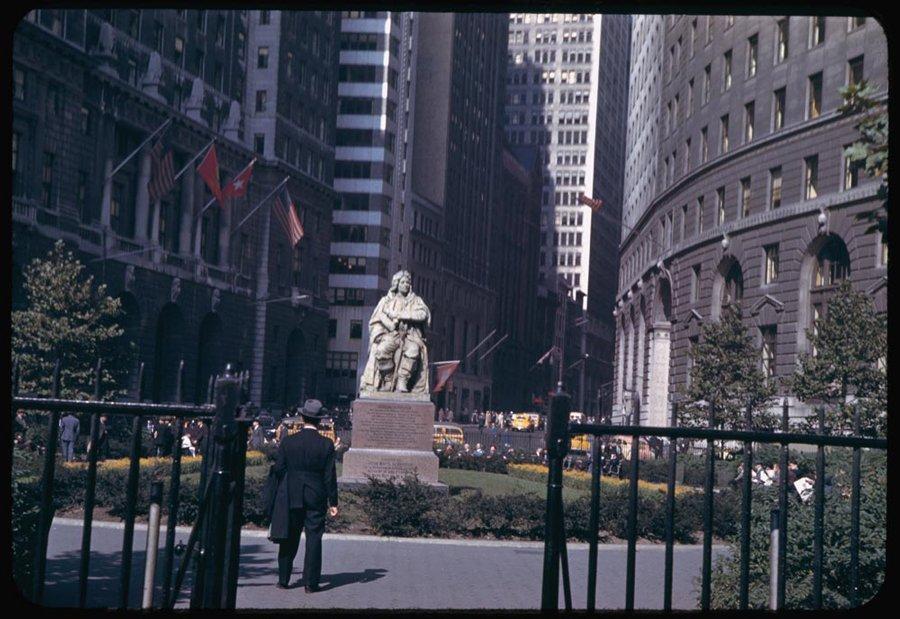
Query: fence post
{"points": [[174, 488], [46, 512], [557, 445], [90, 493], [774, 537], [131, 493], [156, 494], [213, 537]]}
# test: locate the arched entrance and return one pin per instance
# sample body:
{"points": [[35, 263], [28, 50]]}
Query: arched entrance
{"points": [[209, 354], [169, 336], [294, 370], [728, 286]]}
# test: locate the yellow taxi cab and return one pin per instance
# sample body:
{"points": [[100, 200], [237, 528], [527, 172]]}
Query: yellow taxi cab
{"points": [[448, 433], [292, 425], [580, 443], [526, 422]]}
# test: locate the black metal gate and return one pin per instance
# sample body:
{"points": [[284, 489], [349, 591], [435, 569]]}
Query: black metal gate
{"points": [[558, 435], [214, 543]]}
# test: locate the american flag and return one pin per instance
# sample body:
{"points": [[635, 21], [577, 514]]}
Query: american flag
{"points": [[594, 203], [287, 215], [162, 171]]}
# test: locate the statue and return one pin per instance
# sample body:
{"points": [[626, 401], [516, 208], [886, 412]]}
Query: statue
{"points": [[398, 358]]}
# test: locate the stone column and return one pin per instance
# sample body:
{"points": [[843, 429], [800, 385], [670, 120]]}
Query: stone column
{"points": [[658, 383], [142, 199], [187, 213], [106, 200], [262, 291], [225, 234]]}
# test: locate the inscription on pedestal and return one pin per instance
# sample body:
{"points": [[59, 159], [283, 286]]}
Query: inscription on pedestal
{"points": [[393, 425]]}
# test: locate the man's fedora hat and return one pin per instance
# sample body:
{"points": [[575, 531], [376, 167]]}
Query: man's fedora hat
{"points": [[313, 409]]}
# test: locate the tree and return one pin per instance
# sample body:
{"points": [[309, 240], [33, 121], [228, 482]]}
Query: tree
{"points": [[726, 377], [846, 369], [871, 150], [69, 319]]}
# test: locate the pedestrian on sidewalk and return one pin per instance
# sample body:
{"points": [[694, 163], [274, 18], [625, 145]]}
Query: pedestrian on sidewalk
{"points": [[306, 488]]}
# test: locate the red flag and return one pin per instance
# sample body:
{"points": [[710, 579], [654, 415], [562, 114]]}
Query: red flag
{"points": [[287, 215], [594, 203], [444, 370], [237, 188], [209, 171]]}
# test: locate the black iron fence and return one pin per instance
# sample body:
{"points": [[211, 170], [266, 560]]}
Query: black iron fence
{"points": [[215, 538], [558, 435]]}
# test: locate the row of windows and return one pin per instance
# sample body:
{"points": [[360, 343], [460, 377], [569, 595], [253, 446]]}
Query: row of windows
{"points": [[367, 106], [355, 329], [850, 178]]}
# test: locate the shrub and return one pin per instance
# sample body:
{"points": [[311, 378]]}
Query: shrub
{"points": [[401, 508], [26, 510]]}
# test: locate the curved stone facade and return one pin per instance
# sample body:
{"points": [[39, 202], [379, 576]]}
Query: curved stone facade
{"points": [[767, 215]]}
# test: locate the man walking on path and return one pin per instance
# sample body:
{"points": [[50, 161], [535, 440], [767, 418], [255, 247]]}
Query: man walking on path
{"points": [[68, 434], [307, 486]]}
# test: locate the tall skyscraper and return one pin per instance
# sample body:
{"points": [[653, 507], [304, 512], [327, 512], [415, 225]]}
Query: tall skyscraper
{"points": [[567, 89], [373, 109]]}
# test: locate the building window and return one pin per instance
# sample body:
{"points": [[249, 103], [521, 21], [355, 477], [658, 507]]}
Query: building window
{"points": [[883, 251], [723, 132], [695, 283], [699, 214], [749, 113], [179, 51], [816, 31], [19, 84], [855, 22], [814, 96], [261, 96], [332, 328], [771, 271], [689, 104], [264, 18], [855, 70], [707, 73], [781, 40], [262, 58], [745, 196], [704, 145], [775, 187], [778, 104], [81, 194], [85, 121], [355, 329], [752, 55], [720, 206], [832, 264], [851, 171], [47, 181], [768, 335], [259, 143], [726, 84], [811, 177]]}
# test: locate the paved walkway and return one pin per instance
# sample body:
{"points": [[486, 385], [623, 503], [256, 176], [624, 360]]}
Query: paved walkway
{"points": [[370, 572]]}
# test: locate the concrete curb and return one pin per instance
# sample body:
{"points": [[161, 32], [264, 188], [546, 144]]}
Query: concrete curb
{"points": [[100, 524]]}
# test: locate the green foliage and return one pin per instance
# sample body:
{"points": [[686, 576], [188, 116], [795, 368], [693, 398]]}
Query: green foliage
{"points": [[836, 540], [871, 149], [69, 319], [850, 347], [726, 377], [25, 507], [403, 508]]}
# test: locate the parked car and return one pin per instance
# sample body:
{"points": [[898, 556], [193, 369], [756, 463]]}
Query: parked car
{"points": [[448, 433]]}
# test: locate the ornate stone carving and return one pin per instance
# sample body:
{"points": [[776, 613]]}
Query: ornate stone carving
{"points": [[175, 291], [233, 122], [153, 76], [398, 357], [129, 277], [194, 104], [215, 299]]}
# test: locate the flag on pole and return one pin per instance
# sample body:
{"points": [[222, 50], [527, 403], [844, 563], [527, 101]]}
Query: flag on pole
{"points": [[162, 171], [443, 371], [550, 353], [209, 172], [287, 215], [237, 188], [594, 203]]}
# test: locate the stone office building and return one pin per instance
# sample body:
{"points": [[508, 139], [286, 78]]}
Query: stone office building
{"points": [[89, 87], [755, 201]]}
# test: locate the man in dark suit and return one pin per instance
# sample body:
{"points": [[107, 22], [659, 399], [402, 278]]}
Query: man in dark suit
{"points": [[68, 434], [305, 465]]}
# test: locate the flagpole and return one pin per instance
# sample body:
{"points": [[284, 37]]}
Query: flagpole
{"points": [[491, 349], [261, 202], [480, 344], [191, 162], [135, 151]]}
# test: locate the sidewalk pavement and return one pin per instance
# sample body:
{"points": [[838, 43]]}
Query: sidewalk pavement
{"points": [[360, 572]]}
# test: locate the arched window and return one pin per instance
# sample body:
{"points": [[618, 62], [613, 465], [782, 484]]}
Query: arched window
{"points": [[832, 264], [826, 264], [734, 285]]}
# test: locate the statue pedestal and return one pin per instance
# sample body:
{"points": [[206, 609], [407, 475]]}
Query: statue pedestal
{"points": [[391, 437]]}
